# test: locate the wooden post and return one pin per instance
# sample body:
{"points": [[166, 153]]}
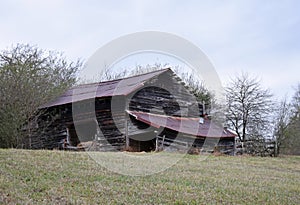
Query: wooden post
{"points": [[163, 141], [97, 130], [126, 133], [68, 135], [234, 146], [156, 144], [127, 144], [29, 140]]}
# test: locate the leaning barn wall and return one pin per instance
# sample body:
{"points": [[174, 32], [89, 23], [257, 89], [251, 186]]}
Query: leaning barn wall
{"points": [[52, 128]]}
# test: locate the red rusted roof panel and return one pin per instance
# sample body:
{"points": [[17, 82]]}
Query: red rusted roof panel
{"points": [[103, 89], [184, 125]]}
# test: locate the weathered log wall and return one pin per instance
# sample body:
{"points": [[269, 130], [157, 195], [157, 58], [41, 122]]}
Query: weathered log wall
{"points": [[47, 132], [51, 131], [173, 141], [165, 94]]}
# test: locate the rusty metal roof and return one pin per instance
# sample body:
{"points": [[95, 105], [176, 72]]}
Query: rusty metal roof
{"points": [[190, 126], [118, 87]]}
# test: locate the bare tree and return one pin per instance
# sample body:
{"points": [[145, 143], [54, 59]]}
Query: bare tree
{"points": [[296, 102], [282, 121], [29, 78], [287, 125], [249, 107], [197, 88], [291, 143]]}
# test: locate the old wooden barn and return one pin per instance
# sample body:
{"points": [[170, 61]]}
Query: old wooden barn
{"points": [[148, 112]]}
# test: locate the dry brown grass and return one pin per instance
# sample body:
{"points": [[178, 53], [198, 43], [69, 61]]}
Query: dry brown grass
{"points": [[60, 177]]}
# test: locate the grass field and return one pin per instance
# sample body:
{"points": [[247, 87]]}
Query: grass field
{"points": [[58, 177]]}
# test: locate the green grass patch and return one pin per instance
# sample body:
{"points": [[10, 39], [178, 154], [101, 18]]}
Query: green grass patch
{"points": [[59, 177]]}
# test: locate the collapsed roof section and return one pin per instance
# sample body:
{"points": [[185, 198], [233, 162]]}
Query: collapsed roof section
{"points": [[191, 126]]}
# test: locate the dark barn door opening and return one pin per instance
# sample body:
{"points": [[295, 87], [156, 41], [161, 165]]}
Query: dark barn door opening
{"points": [[140, 146], [85, 131]]}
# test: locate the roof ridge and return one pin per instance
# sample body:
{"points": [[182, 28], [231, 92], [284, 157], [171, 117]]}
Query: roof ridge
{"points": [[116, 80]]}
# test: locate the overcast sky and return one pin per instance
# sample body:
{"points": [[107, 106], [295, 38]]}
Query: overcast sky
{"points": [[258, 37]]}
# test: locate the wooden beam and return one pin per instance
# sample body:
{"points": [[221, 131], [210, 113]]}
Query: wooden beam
{"points": [[126, 132], [127, 144]]}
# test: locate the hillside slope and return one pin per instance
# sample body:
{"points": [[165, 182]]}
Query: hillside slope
{"points": [[58, 177]]}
